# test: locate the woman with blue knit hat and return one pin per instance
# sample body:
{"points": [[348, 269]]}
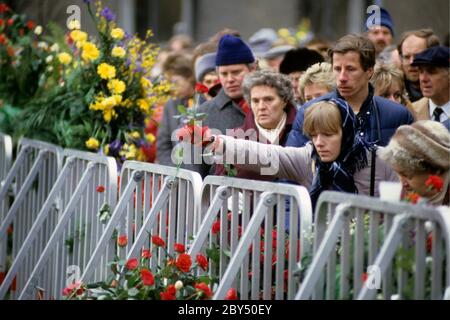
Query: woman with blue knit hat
{"points": [[336, 158]]}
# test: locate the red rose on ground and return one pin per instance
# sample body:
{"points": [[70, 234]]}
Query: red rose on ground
{"points": [[184, 262], [435, 183], [204, 290], [231, 294], [179, 248], [122, 240], [147, 277], [100, 189], [132, 264], [202, 261], [157, 241]]}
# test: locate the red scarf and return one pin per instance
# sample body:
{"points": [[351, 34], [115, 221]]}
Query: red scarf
{"points": [[244, 105]]}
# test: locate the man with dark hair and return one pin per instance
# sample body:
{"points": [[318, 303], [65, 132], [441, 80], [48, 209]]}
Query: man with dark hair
{"points": [[227, 110], [353, 60], [434, 76], [412, 43]]}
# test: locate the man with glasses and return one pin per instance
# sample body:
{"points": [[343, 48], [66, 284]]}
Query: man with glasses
{"points": [[412, 43]]}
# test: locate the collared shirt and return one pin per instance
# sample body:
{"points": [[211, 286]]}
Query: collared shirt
{"points": [[444, 115]]}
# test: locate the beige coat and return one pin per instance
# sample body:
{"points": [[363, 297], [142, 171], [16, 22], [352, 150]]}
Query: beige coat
{"points": [[294, 163]]}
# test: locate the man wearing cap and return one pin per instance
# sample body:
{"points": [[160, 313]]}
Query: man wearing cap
{"points": [[381, 35], [434, 78], [227, 110]]}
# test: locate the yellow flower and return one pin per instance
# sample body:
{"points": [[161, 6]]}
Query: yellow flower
{"points": [[74, 24], [128, 151], [150, 138], [145, 83], [106, 150], [92, 144], [90, 52], [118, 52], [116, 86], [135, 135], [143, 105], [283, 32], [117, 33], [106, 71], [65, 58], [78, 36]]}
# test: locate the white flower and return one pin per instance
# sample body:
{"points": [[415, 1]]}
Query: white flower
{"points": [[50, 68], [42, 45], [74, 24], [179, 285], [49, 59], [38, 30], [54, 48]]}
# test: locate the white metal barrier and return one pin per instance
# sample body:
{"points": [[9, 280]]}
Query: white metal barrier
{"points": [[29, 180], [66, 236], [230, 202], [6, 150], [156, 200], [365, 248]]}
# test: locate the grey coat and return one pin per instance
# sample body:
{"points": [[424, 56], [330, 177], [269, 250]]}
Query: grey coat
{"points": [[296, 164], [222, 114]]}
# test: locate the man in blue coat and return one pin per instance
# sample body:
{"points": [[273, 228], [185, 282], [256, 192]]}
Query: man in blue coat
{"points": [[353, 60]]}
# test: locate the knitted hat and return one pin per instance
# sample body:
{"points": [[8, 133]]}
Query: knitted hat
{"points": [[423, 146], [233, 50], [204, 64], [299, 60], [385, 20]]}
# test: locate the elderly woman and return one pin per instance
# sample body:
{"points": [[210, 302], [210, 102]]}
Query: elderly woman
{"points": [[417, 152], [336, 159], [317, 81], [270, 97]]}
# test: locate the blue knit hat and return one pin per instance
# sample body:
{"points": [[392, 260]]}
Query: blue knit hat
{"points": [[233, 50], [385, 20]]}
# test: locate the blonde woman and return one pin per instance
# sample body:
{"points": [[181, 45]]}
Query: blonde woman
{"points": [[317, 81]]}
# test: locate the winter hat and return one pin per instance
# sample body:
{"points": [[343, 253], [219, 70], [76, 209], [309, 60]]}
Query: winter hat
{"points": [[204, 64], [438, 56], [233, 50], [299, 60], [262, 40], [385, 20], [423, 146]]}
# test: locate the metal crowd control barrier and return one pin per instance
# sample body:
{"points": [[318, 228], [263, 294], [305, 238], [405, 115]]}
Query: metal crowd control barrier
{"points": [[29, 181], [6, 149], [156, 200], [253, 203], [61, 240], [396, 264]]}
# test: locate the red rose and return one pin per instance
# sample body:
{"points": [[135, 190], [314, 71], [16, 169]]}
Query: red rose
{"points": [[202, 261], [122, 240], [193, 133], [184, 262], [231, 294], [157, 241], [364, 277], [215, 227], [132, 264], [412, 197], [203, 290], [4, 8], [30, 24], [100, 189], [201, 88], [10, 21], [171, 289], [146, 254], [429, 242], [147, 277], [179, 248], [166, 296], [435, 183], [74, 286]]}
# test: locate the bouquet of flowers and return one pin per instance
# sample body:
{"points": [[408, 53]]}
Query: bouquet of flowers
{"points": [[104, 93]]}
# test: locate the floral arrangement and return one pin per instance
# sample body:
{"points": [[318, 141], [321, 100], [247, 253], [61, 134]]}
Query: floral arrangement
{"points": [[133, 279], [299, 36], [104, 94], [433, 183]]}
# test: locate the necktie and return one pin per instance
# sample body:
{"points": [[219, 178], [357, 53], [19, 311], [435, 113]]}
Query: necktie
{"points": [[437, 114]]}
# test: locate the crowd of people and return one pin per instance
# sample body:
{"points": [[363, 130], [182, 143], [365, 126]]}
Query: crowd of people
{"points": [[340, 115]]}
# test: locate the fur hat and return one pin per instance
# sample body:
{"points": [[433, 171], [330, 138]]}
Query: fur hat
{"points": [[423, 146], [233, 50], [299, 60]]}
